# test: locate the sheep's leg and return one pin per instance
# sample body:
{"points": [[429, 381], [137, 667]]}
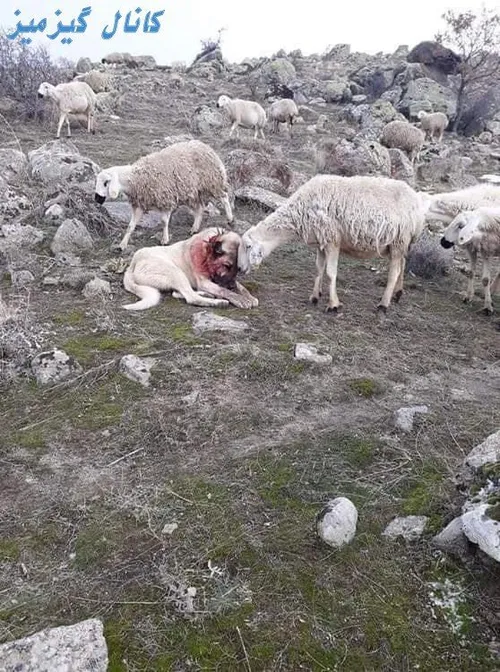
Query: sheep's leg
{"points": [[165, 238], [495, 285], [393, 277], [398, 290], [228, 210], [234, 127], [262, 133], [198, 217], [332, 261], [134, 220], [62, 117], [68, 125], [318, 283], [469, 295], [486, 280]]}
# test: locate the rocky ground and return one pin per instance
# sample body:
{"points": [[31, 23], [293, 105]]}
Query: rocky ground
{"points": [[175, 497]]}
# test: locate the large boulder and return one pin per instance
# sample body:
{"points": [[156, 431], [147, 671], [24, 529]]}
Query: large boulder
{"points": [[60, 161], [206, 120], [359, 157], [372, 118], [336, 91], [435, 56], [84, 64], [13, 164], [428, 95]]}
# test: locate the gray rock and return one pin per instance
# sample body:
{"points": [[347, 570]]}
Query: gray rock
{"points": [[487, 452], [372, 118], [340, 52], [13, 164], [97, 289], [401, 168], [54, 366], [482, 530], [307, 352], [266, 199], [428, 95], [54, 213], [84, 64], [404, 417], [336, 523], [279, 71], [17, 235], [410, 527], [359, 157], [206, 321], [137, 369], [336, 91], [60, 161], [72, 236], [452, 539], [22, 278], [69, 648], [206, 120]]}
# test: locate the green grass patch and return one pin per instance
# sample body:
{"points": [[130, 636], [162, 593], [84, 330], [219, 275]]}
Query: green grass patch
{"points": [[365, 387], [86, 347]]}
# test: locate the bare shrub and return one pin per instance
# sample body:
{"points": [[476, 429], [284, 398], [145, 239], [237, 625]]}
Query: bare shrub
{"points": [[428, 259], [19, 339], [23, 68]]}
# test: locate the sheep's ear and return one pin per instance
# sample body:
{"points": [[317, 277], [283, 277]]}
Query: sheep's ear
{"points": [[114, 186]]}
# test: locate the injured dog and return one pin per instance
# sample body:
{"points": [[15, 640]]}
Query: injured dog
{"points": [[201, 270]]}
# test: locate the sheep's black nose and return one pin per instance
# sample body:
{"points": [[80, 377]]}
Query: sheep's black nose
{"points": [[446, 243], [100, 199], [40, 95]]}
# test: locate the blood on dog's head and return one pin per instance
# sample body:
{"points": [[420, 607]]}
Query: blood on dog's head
{"points": [[217, 258]]}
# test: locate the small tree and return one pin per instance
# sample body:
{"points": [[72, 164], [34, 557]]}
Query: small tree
{"points": [[476, 38]]}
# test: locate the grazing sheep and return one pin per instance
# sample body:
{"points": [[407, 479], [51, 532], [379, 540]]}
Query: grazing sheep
{"points": [[283, 111], [403, 135], [71, 98], [361, 216], [478, 232], [98, 81], [433, 124], [245, 113], [185, 173]]}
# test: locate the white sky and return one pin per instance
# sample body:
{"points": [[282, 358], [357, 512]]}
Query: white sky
{"points": [[253, 28]]}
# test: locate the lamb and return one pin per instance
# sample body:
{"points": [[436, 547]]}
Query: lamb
{"points": [[185, 173], [478, 232], [283, 111], [361, 216], [433, 124], [403, 135], [245, 113], [71, 98]]}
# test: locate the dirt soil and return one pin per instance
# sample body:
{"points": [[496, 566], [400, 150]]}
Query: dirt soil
{"points": [[241, 445]]}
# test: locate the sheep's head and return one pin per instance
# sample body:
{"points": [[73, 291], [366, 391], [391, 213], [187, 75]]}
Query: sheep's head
{"points": [[469, 232], [43, 89], [422, 114], [254, 251], [451, 234], [107, 186], [223, 101]]}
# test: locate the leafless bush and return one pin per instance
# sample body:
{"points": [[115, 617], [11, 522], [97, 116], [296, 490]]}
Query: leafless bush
{"points": [[23, 68], [428, 259], [19, 339]]}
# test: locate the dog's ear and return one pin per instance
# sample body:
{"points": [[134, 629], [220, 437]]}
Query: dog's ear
{"points": [[216, 246]]}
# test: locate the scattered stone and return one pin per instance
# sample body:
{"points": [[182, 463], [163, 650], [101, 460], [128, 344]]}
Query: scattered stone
{"points": [[60, 161], [404, 417], [307, 352], [410, 528], [13, 164], [54, 366], [482, 530], [72, 236], [206, 120], [136, 369], [97, 289], [191, 399], [207, 321], [76, 648], [17, 235], [452, 539], [359, 157], [22, 278], [336, 523], [266, 199], [54, 213], [170, 528], [487, 452]]}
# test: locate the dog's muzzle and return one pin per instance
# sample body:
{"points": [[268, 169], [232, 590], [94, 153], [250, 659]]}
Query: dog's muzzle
{"points": [[99, 199], [446, 243]]}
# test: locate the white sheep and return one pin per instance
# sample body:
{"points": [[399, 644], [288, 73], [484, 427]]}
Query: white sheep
{"points": [[245, 113], [360, 216], [478, 232], [185, 173], [444, 207], [71, 98], [283, 111], [433, 124], [403, 135], [98, 81]]}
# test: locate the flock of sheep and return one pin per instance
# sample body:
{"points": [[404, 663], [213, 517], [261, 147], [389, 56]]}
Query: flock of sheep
{"points": [[359, 216]]}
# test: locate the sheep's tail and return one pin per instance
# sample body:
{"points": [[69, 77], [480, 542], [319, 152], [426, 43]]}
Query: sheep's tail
{"points": [[150, 296]]}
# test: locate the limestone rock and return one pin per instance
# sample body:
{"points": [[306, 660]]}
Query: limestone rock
{"points": [[54, 366], [336, 523], [410, 527]]}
